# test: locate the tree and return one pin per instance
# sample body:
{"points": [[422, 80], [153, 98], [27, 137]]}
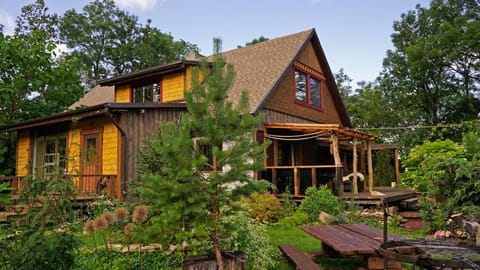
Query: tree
{"points": [[36, 17], [110, 42], [199, 179], [32, 84], [433, 72], [255, 41]]}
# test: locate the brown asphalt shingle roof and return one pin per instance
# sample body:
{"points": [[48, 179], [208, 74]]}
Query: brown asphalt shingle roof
{"points": [[259, 67], [97, 95]]}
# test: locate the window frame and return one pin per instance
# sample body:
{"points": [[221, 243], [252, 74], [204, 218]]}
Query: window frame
{"points": [[309, 73], [151, 87], [47, 164]]}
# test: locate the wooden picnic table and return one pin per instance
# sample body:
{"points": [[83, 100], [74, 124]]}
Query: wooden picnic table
{"points": [[353, 240]]}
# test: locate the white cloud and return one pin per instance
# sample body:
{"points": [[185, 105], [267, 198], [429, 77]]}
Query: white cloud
{"points": [[137, 4], [8, 22]]}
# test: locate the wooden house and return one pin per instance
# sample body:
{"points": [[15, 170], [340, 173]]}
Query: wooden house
{"points": [[287, 78]]}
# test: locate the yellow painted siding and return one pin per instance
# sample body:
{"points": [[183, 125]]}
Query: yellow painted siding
{"points": [[23, 154], [122, 94], [73, 141], [173, 87], [110, 149]]}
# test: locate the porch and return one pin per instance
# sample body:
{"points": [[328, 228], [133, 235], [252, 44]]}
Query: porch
{"points": [[304, 155], [87, 185]]}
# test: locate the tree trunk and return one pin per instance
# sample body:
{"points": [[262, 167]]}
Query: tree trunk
{"points": [[216, 235]]}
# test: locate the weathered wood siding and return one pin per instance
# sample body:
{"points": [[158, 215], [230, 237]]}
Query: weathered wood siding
{"points": [[283, 97], [24, 144], [139, 125]]}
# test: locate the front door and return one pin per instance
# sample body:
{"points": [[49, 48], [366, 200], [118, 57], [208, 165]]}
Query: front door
{"points": [[91, 169]]}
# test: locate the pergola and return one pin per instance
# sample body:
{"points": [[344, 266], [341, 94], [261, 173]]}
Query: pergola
{"points": [[333, 134]]}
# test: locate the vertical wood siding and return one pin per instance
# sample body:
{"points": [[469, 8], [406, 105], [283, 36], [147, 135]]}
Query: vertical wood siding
{"points": [[23, 153], [122, 93], [140, 125], [173, 87]]}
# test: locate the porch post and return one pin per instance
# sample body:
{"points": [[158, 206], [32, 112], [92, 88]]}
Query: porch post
{"points": [[338, 182], [275, 164], [370, 167], [355, 158], [296, 181], [397, 166], [362, 163]]}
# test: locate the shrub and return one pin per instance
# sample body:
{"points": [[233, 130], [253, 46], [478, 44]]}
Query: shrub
{"points": [[252, 240], [264, 208], [297, 219], [318, 200]]}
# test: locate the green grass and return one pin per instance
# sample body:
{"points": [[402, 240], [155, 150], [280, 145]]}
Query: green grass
{"points": [[294, 236]]}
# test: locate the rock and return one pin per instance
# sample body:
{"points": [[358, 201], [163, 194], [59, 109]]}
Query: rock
{"points": [[472, 228], [414, 224], [324, 217]]}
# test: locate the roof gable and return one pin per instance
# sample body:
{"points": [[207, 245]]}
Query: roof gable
{"points": [[260, 68]]}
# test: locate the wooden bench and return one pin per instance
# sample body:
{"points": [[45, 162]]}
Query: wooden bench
{"points": [[302, 261]]}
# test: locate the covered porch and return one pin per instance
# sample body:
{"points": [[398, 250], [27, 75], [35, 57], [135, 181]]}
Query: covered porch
{"points": [[304, 155]]}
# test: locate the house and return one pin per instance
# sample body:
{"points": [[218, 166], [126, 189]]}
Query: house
{"points": [[287, 78]]}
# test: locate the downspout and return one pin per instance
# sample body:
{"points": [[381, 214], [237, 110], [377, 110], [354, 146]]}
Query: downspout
{"points": [[124, 147]]}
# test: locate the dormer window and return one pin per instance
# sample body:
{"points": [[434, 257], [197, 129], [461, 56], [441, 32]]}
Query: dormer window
{"points": [[146, 93], [308, 88]]}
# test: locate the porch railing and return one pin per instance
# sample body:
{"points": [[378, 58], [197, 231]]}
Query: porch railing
{"points": [[296, 179], [91, 184]]}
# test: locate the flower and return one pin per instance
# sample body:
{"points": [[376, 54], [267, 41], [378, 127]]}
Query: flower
{"points": [[140, 214], [121, 214], [108, 217], [128, 228], [100, 223], [89, 227]]}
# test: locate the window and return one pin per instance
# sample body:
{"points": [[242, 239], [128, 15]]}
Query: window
{"points": [[307, 89], [146, 94], [50, 156]]}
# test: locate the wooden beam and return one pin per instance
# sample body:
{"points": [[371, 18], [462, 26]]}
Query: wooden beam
{"points": [[362, 163], [338, 181], [354, 166], [370, 166], [296, 182]]}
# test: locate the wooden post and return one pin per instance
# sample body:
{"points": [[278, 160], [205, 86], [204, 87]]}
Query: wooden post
{"points": [[314, 177], [370, 166], [275, 164], [397, 166], [354, 166], [338, 182], [296, 182], [362, 163]]}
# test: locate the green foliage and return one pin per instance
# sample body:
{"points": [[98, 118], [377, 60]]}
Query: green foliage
{"points": [[4, 193], [281, 234], [449, 173], [192, 191], [321, 199], [40, 250], [383, 168], [264, 207], [109, 41], [124, 261], [419, 162], [296, 219], [288, 203], [252, 240]]}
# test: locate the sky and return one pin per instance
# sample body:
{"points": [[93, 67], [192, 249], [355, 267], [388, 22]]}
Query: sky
{"points": [[354, 34]]}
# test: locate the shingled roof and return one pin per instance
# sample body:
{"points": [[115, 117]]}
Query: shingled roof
{"points": [[260, 67], [97, 95]]}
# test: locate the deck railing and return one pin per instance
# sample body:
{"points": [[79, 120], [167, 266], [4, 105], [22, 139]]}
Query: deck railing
{"points": [[296, 179], [91, 184]]}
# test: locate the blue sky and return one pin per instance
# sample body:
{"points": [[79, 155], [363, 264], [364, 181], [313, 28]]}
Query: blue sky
{"points": [[355, 34]]}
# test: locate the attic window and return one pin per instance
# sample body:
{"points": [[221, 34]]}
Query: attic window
{"points": [[307, 89], [146, 93]]}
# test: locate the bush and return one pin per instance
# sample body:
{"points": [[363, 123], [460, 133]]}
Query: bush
{"points": [[264, 208], [49, 250], [299, 218], [318, 200], [252, 240]]}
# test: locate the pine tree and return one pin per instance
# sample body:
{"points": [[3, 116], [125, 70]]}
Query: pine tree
{"points": [[206, 162]]}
